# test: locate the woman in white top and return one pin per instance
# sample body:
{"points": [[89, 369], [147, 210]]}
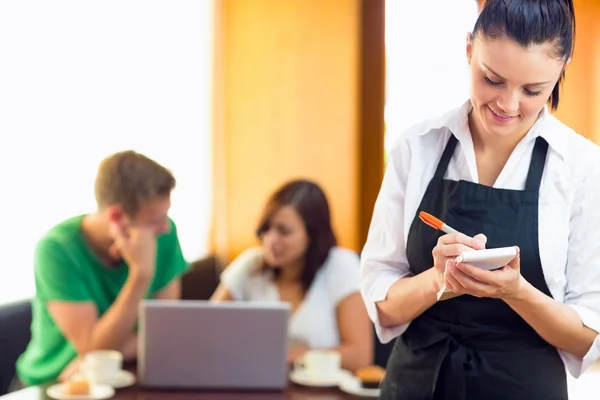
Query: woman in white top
{"points": [[503, 172], [299, 263]]}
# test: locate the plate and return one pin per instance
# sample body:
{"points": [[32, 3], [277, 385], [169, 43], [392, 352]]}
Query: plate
{"points": [[351, 385], [122, 380], [97, 392], [300, 377]]}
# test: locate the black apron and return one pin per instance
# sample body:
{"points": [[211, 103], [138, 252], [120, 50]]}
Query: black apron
{"points": [[467, 347]]}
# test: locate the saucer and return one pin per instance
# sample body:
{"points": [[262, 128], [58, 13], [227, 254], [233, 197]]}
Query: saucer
{"points": [[97, 392], [351, 385], [123, 379], [301, 377]]}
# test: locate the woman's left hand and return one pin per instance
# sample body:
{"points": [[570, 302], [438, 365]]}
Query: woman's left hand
{"points": [[466, 279]]}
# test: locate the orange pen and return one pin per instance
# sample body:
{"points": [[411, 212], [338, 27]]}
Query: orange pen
{"points": [[436, 223]]}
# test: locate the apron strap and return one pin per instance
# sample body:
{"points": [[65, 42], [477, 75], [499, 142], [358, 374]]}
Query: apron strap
{"points": [[446, 157], [536, 167]]}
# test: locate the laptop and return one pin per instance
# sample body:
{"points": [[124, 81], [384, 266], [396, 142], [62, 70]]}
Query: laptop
{"points": [[198, 344]]}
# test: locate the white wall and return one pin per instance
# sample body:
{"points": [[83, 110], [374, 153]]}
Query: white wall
{"points": [[80, 80], [427, 70]]}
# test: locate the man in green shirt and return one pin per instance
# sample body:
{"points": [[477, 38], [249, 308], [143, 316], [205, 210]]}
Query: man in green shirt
{"points": [[91, 271]]}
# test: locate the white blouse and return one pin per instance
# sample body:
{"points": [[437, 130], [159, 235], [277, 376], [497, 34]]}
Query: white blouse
{"points": [[314, 323], [569, 223]]}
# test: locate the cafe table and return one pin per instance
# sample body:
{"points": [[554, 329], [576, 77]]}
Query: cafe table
{"points": [[292, 392], [584, 388]]}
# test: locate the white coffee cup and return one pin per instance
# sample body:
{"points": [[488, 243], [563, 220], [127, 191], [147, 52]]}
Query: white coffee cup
{"points": [[320, 363], [102, 366]]}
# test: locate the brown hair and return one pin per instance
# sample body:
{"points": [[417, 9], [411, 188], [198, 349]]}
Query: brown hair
{"points": [[128, 178], [309, 200]]}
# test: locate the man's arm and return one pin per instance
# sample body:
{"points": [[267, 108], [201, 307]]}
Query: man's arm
{"points": [[129, 352], [71, 305], [83, 328], [171, 292], [81, 313], [130, 349]]}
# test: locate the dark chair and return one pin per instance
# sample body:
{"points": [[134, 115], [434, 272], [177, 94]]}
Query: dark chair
{"points": [[200, 282], [15, 333]]}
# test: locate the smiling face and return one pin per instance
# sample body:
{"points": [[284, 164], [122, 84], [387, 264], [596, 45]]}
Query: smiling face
{"points": [[510, 84], [284, 239]]}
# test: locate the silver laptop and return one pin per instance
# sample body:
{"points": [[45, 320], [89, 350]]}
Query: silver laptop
{"points": [[198, 344]]}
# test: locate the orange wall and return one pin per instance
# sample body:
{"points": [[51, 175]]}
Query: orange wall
{"points": [[286, 106], [580, 98], [580, 102]]}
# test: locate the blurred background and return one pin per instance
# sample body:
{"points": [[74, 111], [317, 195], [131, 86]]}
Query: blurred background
{"points": [[235, 97]]}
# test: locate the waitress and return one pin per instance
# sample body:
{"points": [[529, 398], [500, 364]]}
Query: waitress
{"points": [[502, 171]]}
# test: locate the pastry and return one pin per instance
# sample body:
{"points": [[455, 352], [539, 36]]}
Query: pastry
{"points": [[77, 387], [370, 377]]}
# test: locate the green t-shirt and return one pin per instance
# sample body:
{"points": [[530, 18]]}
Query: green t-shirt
{"points": [[66, 269]]}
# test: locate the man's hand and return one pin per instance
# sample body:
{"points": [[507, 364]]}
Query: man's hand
{"points": [[137, 245], [70, 370]]}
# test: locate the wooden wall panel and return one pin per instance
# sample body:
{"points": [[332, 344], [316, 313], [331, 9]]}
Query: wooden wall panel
{"points": [[289, 78], [371, 110]]}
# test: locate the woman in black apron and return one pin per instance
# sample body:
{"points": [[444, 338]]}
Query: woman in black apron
{"points": [[473, 346], [457, 345]]}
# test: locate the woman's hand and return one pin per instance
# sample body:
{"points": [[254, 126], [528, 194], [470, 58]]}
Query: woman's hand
{"points": [[503, 283], [295, 354], [450, 246]]}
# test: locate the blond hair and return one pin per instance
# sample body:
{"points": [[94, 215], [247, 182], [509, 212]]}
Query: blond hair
{"points": [[128, 178]]}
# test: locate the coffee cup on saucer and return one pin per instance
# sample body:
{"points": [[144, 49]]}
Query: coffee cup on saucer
{"points": [[320, 363], [102, 366]]}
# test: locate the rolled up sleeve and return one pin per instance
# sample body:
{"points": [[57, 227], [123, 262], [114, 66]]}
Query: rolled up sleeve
{"points": [[383, 259], [583, 267]]}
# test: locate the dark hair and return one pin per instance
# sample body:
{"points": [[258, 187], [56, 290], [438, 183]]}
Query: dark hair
{"points": [[309, 200], [531, 22]]}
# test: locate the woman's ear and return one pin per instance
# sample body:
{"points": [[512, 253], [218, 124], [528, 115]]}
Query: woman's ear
{"points": [[469, 48]]}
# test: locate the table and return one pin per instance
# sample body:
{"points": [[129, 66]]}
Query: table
{"points": [[584, 388], [293, 392]]}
